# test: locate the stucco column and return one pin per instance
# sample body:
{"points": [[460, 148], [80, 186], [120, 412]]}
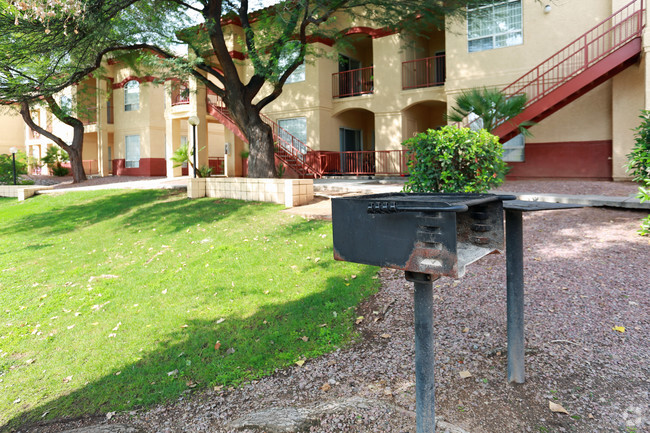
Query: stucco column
{"points": [[172, 142], [102, 127], [388, 136], [232, 160]]}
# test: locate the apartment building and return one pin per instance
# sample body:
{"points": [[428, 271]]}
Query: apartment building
{"points": [[581, 63], [125, 118]]}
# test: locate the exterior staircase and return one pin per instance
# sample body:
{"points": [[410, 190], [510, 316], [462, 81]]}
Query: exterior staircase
{"points": [[292, 152], [588, 61]]}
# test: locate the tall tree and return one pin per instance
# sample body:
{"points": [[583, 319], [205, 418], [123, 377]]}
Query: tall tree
{"points": [[276, 41], [52, 45]]}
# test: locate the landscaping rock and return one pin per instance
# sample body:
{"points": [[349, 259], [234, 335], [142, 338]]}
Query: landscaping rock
{"points": [[288, 420]]}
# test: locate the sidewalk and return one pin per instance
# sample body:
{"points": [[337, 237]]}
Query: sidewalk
{"points": [[586, 193]]}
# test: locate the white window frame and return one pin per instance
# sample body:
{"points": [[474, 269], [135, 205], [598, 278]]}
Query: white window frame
{"points": [[484, 17], [132, 151], [289, 125], [132, 96]]}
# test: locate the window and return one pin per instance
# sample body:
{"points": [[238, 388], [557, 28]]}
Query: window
{"points": [[290, 53], [494, 26], [513, 149], [132, 96], [185, 142], [132, 144], [296, 126]]}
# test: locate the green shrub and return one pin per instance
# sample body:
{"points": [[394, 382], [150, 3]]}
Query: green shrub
{"points": [[58, 170], [204, 171], [54, 157], [7, 168], [639, 164], [454, 159]]}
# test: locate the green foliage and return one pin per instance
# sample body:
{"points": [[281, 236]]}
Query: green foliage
{"points": [[639, 164], [280, 169], [152, 282], [454, 159], [204, 171], [181, 156], [7, 168], [492, 106], [54, 157]]}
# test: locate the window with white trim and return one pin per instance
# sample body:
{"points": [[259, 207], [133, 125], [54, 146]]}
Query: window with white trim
{"points": [[132, 96], [297, 127], [495, 25], [513, 149], [132, 145], [290, 53]]}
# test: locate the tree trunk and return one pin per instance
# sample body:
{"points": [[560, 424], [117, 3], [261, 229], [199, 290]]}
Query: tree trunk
{"points": [[261, 162], [76, 164]]}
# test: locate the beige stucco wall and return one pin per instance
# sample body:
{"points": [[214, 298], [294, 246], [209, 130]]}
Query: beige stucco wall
{"points": [[13, 132]]}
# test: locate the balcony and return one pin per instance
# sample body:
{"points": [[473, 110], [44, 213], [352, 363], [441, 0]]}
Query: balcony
{"points": [[353, 83], [180, 95], [89, 116], [427, 72]]}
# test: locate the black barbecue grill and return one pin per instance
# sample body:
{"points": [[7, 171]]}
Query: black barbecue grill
{"points": [[434, 235]]}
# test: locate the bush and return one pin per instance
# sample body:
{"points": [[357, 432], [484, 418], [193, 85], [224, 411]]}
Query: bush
{"points": [[58, 170], [639, 164], [204, 171], [7, 168], [454, 159]]}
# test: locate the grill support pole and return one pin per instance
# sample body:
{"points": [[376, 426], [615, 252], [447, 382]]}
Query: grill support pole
{"points": [[425, 413], [515, 294]]}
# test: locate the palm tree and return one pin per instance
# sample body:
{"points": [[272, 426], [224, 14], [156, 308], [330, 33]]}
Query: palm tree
{"points": [[491, 106]]}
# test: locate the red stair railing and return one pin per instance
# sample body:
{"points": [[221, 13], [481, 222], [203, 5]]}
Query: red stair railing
{"points": [[289, 149], [601, 40]]}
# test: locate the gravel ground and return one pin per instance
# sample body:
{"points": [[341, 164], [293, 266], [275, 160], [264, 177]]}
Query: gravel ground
{"points": [[586, 272]]}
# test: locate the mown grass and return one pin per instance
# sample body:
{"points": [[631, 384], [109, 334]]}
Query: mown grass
{"points": [[111, 301]]}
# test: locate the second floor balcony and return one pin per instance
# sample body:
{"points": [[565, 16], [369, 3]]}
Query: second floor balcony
{"points": [[426, 72], [353, 83]]}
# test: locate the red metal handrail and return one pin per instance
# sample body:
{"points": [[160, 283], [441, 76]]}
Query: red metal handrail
{"points": [[580, 54], [288, 147], [353, 83], [364, 162], [426, 72]]}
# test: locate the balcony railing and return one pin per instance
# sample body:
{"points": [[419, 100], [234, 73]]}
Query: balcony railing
{"points": [[90, 166], [353, 83], [365, 162], [427, 72]]}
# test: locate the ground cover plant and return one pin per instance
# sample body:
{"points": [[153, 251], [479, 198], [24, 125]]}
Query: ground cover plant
{"points": [[116, 300]]}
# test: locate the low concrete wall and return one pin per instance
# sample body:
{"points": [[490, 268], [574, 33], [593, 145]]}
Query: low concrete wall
{"points": [[289, 192], [21, 192]]}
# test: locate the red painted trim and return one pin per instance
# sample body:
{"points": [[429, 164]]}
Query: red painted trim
{"points": [[373, 33], [146, 79], [565, 160], [320, 39], [237, 55], [148, 167]]}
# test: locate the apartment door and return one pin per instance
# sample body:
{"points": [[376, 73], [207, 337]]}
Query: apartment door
{"points": [[351, 141], [349, 76]]}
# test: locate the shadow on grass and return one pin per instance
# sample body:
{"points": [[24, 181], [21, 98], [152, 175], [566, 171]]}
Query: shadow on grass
{"points": [[187, 359], [144, 208]]}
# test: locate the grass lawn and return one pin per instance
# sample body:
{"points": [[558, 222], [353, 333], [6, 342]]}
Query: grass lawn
{"points": [[111, 301]]}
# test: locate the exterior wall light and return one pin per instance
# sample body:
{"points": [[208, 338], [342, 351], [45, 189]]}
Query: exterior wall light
{"points": [[194, 121]]}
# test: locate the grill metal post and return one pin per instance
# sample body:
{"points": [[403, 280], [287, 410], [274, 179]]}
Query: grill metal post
{"points": [[425, 412], [515, 294]]}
